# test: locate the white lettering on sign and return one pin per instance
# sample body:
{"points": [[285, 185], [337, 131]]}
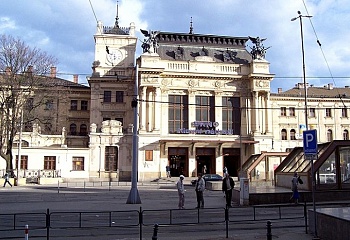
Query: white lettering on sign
{"points": [[309, 138]]}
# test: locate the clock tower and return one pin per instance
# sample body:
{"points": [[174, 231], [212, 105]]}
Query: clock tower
{"points": [[113, 74], [112, 88]]}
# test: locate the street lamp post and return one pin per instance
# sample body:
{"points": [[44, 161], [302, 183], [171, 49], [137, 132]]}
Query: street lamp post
{"points": [[303, 57], [306, 116], [134, 197]]}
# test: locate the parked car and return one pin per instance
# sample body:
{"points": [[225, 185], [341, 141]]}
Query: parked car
{"points": [[208, 177]]}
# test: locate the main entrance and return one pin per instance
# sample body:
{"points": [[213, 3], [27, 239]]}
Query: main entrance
{"points": [[232, 160], [178, 161], [205, 160]]}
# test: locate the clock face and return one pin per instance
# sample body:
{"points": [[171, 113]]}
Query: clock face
{"points": [[114, 56]]}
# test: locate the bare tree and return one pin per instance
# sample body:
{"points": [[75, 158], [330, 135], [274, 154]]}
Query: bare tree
{"points": [[24, 72]]}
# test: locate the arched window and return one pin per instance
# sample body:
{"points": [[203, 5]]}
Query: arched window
{"points": [[346, 135], [73, 129], [83, 130], [292, 134], [329, 135], [284, 134]]}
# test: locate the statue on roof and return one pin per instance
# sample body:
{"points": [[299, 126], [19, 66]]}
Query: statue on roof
{"points": [[150, 45], [258, 51]]}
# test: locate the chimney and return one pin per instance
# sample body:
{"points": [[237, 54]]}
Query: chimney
{"points": [[30, 70], [75, 78], [279, 90], [8, 71], [53, 72]]}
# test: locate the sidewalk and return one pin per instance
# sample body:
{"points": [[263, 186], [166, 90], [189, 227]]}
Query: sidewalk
{"points": [[153, 196]]}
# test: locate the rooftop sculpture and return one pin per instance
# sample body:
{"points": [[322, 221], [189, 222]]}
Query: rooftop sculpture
{"points": [[258, 51], [150, 45]]}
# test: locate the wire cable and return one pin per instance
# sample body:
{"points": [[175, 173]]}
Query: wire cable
{"points": [[93, 11], [324, 56]]}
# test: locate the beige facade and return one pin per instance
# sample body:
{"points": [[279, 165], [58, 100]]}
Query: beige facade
{"points": [[204, 102]]}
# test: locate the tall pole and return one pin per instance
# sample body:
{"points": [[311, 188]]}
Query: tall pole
{"points": [[134, 197], [306, 116]]}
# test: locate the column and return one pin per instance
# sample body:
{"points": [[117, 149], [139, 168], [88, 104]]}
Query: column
{"points": [[157, 109], [268, 114], [191, 108], [151, 111], [143, 110], [218, 111], [256, 112]]}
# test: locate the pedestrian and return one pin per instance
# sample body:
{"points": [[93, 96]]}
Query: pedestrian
{"points": [[7, 179], [225, 171], [181, 191], [204, 169], [200, 187], [167, 169], [295, 196], [227, 186]]}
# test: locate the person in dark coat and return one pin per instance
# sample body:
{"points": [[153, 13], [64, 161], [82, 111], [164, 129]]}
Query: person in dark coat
{"points": [[7, 179], [227, 186]]}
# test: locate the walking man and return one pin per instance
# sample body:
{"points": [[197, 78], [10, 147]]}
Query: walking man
{"points": [[167, 169], [295, 181], [181, 191], [200, 187], [227, 186], [7, 179]]}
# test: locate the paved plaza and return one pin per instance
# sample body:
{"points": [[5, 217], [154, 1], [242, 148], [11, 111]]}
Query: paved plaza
{"points": [[85, 197]]}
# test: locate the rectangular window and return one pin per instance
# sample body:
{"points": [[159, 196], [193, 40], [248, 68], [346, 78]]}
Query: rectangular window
{"points": [[107, 96], [119, 96], [24, 162], [120, 120], [231, 114], [283, 111], [111, 158], [84, 105], [49, 104], [292, 112], [328, 112], [149, 155], [344, 112], [312, 112], [177, 113], [50, 162], [74, 105], [30, 103], [78, 164], [205, 108]]}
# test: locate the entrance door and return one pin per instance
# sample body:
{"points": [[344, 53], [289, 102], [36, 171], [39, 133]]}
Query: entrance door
{"points": [[205, 160], [178, 161], [204, 164], [232, 161]]}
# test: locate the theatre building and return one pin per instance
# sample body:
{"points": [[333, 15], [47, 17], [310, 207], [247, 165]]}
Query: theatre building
{"points": [[200, 98]]}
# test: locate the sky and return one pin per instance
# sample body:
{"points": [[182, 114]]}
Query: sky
{"points": [[65, 29]]}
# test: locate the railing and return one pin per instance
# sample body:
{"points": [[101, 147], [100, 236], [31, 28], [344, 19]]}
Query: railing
{"points": [[137, 219]]}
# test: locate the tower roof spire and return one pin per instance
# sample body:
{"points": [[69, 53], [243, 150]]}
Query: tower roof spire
{"points": [[116, 24], [191, 27]]}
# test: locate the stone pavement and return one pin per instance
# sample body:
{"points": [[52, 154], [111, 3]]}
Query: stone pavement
{"points": [[159, 194]]}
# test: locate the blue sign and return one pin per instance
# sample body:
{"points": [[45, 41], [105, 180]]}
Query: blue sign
{"points": [[310, 142]]}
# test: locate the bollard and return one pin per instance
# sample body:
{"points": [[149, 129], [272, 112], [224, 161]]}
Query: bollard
{"points": [[155, 232], [26, 232], [269, 234]]}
